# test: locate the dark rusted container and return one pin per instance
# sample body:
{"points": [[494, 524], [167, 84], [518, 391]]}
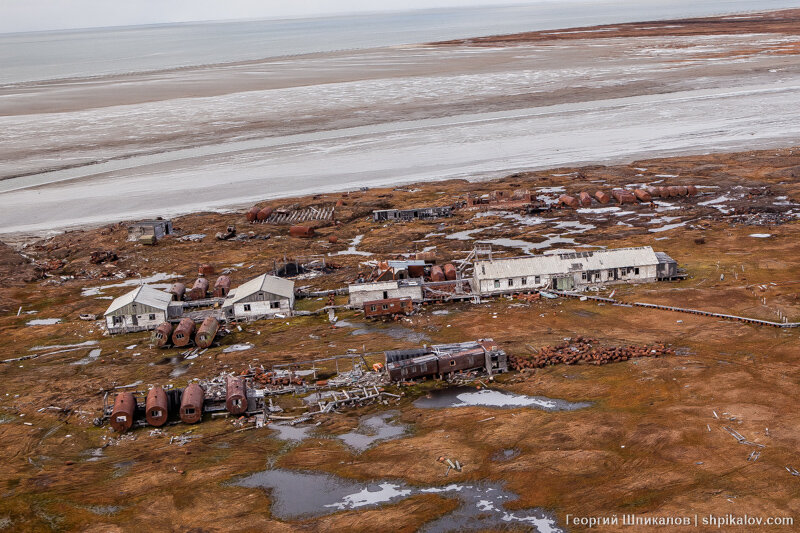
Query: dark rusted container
{"points": [[162, 334], [222, 286], [642, 195], [264, 214], [449, 272], [426, 365], [156, 407], [654, 192], [623, 197], [333, 239], [428, 257], [206, 332], [388, 307], [663, 192], [205, 270], [683, 190], [602, 197], [568, 201], [183, 332], [252, 215], [437, 274], [177, 290], [585, 199], [199, 289], [235, 396], [691, 190], [466, 360], [673, 190], [192, 403], [123, 412], [302, 232], [416, 271]]}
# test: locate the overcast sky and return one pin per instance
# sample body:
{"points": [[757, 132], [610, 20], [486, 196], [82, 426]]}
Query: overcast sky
{"points": [[34, 15]]}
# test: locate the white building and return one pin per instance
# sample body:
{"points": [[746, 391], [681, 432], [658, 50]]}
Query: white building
{"points": [[568, 269], [381, 290], [141, 309], [262, 297]]}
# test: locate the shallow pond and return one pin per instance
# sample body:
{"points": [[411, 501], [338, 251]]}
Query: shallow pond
{"points": [[372, 429], [468, 397]]}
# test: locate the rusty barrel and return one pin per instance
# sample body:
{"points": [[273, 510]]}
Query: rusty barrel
{"points": [[199, 289], [235, 396], [162, 334], [602, 197], [222, 286], [642, 195], [303, 232], [674, 190], [177, 291], [585, 199], [156, 410], [252, 215], [264, 214], [683, 190], [192, 403], [206, 332], [183, 332], [623, 197], [449, 272], [691, 190], [333, 239], [123, 412], [437, 274], [567, 200]]}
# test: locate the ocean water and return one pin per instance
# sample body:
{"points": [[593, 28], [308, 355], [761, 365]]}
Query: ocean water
{"points": [[26, 57]]}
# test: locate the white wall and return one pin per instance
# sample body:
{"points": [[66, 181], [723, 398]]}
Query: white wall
{"points": [[360, 296], [143, 321], [259, 309]]}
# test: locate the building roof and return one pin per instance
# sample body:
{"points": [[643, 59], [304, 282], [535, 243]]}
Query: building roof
{"points": [[564, 263], [265, 283], [144, 295]]}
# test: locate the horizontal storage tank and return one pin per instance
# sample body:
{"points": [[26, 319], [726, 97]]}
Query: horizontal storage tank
{"points": [[654, 192], [623, 197], [192, 403], [674, 190], [437, 274], [568, 201], [252, 215], [199, 289], [162, 334], [450, 272], [691, 190], [123, 412], [183, 332], [235, 396], [156, 407], [206, 332], [264, 214], [222, 287], [683, 190], [664, 192], [602, 197], [642, 195], [585, 199], [333, 239], [302, 232], [177, 291]]}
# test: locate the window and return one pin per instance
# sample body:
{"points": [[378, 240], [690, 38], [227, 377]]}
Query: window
{"points": [[610, 272], [246, 307], [523, 281], [537, 280], [152, 317], [510, 282], [179, 336], [385, 307], [385, 294], [117, 320], [189, 411], [597, 276], [237, 402], [636, 271], [374, 307], [156, 413], [483, 269], [583, 275], [452, 362], [274, 305], [122, 418], [497, 284]]}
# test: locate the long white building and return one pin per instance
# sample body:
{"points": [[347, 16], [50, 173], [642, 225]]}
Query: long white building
{"points": [[569, 269], [381, 290]]}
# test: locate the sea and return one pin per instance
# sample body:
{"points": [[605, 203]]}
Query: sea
{"points": [[88, 53]]}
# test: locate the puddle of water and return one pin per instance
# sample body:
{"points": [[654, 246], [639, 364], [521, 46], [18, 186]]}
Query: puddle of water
{"points": [[95, 454], [441, 312], [761, 235], [505, 455], [237, 348], [104, 509], [468, 397], [133, 282], [372, 429], [393, 331], [43, 322], [353, 248], [178, 371], [59, 346], [292, 433], [93, 355], [525, 220], [122, 468], [526, 246]]}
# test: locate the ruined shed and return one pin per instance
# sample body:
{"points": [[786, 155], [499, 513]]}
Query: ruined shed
{"points": [[384, 290], [261, 297], [143, 308], [157, 228], [423, 213]]}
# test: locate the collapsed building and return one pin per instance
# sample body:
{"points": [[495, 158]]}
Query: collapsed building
{"points": [[261, 297], [445, 360], [360, 293], [422, 213], [141, 309], [157, 228]]}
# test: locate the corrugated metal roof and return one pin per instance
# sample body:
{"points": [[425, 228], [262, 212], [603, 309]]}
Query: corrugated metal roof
{"points": [[264, 282], [144, 295], [542, 265], [376, 286]]}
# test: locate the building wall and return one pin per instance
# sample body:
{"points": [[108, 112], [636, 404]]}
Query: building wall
{"points": [[262, 308], [143, 321], [593, 278], [358, 298]]}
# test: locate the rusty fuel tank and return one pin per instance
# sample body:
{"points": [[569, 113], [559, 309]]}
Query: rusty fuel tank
{"points": [[623, 197], [206, 332], [333, 239], [252, 215], [654, 192], [199, 289], [674, 190], [585, 199], [235, 396], [183, 332], [437, 274], [222, 286], [156, 410], [123, 412], [568, 201], [162, 334], [302, 232], [602, 197], [450, 272], [177, 291], [642, 195], [192, 403], [691, 190], [683, 190], [264, 214]]}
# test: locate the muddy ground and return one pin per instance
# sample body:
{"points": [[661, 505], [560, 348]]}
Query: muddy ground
{"points": [[649, 444]]}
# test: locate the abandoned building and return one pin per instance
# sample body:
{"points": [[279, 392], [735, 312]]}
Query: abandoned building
{"points": [[157, 228], [388, 307], [384, 290], [423, 213], [144, 308], [261, 297], [445, 360], [568, 270]]}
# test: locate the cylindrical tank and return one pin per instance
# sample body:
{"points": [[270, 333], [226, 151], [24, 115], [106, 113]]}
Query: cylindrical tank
{"points": [[192, 403], [333, 239], [654, 192], [428, 257], [683, 190], [122, 414], [602, 197], [567, 200], [264, 214], [664, 192], [183, 332], [162, 334], [177, 291], [449, 272], [199, 289], [252, 215], [437, 274], [156, 407], [585, 199], [674, 190], [205, 270], [222, 286], [303, 232], [206, 332], [236, 396], [642, 195], [691, 190], [623, 197]]}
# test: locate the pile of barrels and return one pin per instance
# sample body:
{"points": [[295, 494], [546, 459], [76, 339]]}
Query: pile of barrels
{"points": [[182, 334], [583, 350], [623, 196], [258, 214], [272, 379]]}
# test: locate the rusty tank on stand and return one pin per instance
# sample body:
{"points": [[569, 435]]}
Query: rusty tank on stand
{"points": [[642, 196], [264, 214], [156, 407], [161, 335], [623, 197], [206, 332], [199, 289], [192, 401], [177, 291], [123, 412], [437, 274], [450, 272], [235, 396], [585, 199], [182, 335], [602, 197], [222, 287]]}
